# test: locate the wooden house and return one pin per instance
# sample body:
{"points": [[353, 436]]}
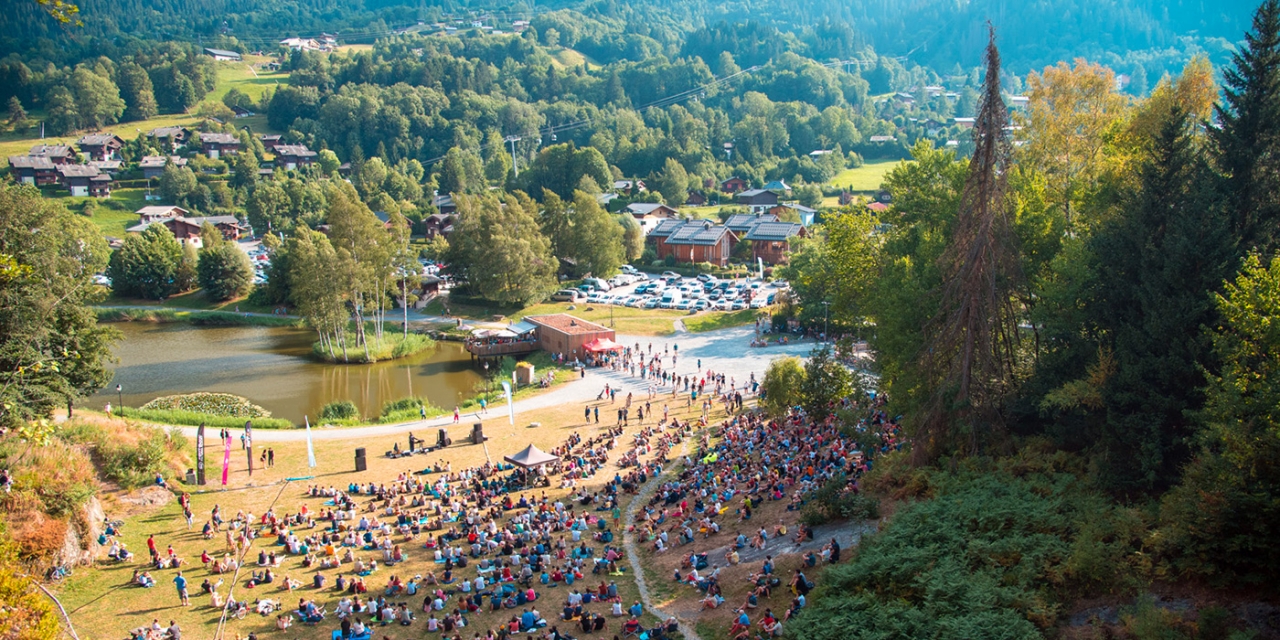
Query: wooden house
{"points": [[33, 170], [216, 145], [101, 146], [56, 153]]}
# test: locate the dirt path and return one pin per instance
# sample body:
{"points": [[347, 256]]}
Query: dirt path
{"points": [[633, 557]]}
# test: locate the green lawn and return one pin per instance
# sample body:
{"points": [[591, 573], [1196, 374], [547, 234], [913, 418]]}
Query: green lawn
{"points": [[193, 300], [245, 78], [112, 215], [868, 177]]}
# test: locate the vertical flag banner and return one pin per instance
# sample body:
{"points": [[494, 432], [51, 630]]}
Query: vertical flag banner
{"points": [[511, 411], [226, 459], [248, 444], [200, 454], [311, 452]]}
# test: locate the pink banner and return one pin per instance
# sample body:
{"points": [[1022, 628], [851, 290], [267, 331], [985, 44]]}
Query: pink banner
{"points": [[226, 460]]}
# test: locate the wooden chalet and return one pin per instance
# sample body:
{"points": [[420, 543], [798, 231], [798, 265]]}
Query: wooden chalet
{"points": [[33, 170], [216, 145], [56, 153], [171, 137], [101, 146], [78, 178], [153, 166], [770, 241], [294, 156], [758, 200]]}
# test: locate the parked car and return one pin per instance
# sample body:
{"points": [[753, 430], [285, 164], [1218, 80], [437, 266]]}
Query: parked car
{"points": [[666, 275], [706, 277], [587, 288], [702, 305], [565, 295], [599, 283]]}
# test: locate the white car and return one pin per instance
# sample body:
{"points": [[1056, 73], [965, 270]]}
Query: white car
{"points": [[759, 303], [651, 303], [684, 305], [702, 305]]}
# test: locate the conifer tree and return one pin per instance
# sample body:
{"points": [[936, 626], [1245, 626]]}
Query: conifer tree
{"points": [[972, 343], [1248, 140]]}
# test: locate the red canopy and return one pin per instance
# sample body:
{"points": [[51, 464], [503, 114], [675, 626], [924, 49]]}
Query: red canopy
{"points": [[601, 344]]}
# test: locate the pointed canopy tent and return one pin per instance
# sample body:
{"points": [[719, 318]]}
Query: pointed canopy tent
{"points": [[530, 457], [601, 344]]}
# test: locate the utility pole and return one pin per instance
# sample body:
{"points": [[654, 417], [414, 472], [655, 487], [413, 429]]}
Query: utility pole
{"points": [[512, 140]]}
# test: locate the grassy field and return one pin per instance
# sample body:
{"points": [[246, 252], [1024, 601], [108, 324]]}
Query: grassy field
{"points": [[242, 76], [627, 320], [112, 215], [194, 300], [868, 177], [103, 605]]}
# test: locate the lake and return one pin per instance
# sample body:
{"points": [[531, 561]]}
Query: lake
{"points": [[273, 368]]}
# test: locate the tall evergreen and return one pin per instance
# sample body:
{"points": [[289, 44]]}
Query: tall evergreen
{"points": [[1156, 267], [1248, 138], [971, 347]]}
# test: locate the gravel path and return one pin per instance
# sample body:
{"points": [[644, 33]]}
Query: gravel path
{"points": [[726, 351], [633, 557]]}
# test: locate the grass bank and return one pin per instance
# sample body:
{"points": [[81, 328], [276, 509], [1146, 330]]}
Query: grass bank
{"points": [[868, 177], [199, 318], [392, 345], [721, 320]]}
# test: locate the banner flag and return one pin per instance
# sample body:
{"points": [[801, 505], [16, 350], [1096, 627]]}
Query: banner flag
{"points": [[311, 452], [511, 410], [248, 444], [200, 454], [226, 459]]}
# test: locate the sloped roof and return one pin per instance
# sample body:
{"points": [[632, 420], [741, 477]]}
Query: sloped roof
{"points": [[99, 139], [168, 132], [299, 150], [530, 456], [219, 138], [665, 228], [160, 161], [30, 162], [78, 171], [47, 150], [740, 222], [697, 232], [774, 231], [645, 208]]}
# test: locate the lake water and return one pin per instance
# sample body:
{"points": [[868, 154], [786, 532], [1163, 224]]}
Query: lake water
{"points": [[273, 368]]}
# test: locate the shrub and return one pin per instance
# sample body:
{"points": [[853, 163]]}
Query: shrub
{"points": [[407, 409], [55, 479], [218, 404], [987, 557], [195, 419], [132, 455], [836, 500], [339, 410]]}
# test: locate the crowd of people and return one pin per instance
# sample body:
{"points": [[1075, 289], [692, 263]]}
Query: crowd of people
{"points": [[496, 542]]}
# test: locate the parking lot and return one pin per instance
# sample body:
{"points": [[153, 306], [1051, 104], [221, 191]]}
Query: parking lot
{"points": [[672, 291]]}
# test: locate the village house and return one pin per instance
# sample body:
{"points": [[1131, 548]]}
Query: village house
{"points": [[153, 213], [758, 200], [964, 123], [270, 141], [294, 156], [100, 146], [733, 185], [153, 166], [100, 185], [56, 153], [216, 145], [187, 230], [567, 336], [444, 203], [34, 170], [690, 241], [649, 214], [770, 241], [170, 137], [301, 44], [882, 139], [77, 177], [878, 207], [240, 112], [799, 211], [222, 55], [438, 224], [628, 187], [695, 199]]}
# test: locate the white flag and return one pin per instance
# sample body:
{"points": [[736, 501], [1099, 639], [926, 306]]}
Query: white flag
{"points": [[311, 451], [511, 410]]}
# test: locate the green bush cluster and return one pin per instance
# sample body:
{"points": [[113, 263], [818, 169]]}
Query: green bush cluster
{"points": [[218, 404], [835, 501], [407, 409], [131, 458], [995, 553], [339, 410]]}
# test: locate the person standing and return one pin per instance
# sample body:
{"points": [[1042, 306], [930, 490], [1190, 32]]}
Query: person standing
{"points": [[597, 414], [457, 415], [271, 457], [181, 583]]}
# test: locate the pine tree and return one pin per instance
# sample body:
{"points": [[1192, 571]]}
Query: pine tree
{"points": [[17, 116], [970, 358], [1248, 141], [1156, 266]]}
